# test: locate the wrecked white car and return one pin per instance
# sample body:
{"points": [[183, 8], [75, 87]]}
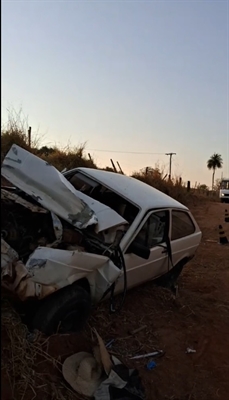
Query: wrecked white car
{"points": [[69, 240]]}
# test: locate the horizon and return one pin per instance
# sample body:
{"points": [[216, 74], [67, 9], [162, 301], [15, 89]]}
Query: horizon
{"points": [[124, 77]]}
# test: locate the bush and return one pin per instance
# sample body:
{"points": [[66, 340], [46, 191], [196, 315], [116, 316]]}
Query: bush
{"points": [[68, 158], [15, 132]]}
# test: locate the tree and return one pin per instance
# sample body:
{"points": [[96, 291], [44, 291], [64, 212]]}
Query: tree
{"points": [[214, 162], [44, 150], [203, 186]]}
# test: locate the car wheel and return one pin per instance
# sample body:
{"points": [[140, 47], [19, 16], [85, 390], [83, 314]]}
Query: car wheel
{"points": [[64, 311]]}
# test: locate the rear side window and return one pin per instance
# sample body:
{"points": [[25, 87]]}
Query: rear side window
{"points": [[182, 225]]}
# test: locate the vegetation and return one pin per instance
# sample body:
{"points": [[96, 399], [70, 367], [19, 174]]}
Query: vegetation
{"points": [[26, 356], [15, 132], [214, 162]]}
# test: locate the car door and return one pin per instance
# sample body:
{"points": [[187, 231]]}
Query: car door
{"points": [[151, 234], [185, 236]]}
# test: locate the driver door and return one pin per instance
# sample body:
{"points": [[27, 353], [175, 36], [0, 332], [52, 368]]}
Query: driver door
{"points": [[151, 234]]}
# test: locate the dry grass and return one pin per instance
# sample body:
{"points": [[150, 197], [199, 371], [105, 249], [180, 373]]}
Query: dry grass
{"points": [[175, 188], [22, 354], [68, 158], [31, 365], [25, 354], [16, 132], [122, 325]]}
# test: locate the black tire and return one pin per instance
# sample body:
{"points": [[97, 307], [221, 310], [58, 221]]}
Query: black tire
{"points": [[64, 311]]}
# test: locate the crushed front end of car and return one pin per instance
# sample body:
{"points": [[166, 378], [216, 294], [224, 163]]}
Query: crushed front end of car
{"points": [[53, 235]]}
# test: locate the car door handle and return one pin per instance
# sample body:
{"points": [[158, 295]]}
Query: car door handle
{"points": [[164, 251]]}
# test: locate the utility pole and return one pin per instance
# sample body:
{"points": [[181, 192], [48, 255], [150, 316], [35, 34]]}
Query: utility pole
{"points": [[170, 162]]}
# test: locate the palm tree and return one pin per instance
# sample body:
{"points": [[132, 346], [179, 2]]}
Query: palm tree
{"points": [[214, 162]]}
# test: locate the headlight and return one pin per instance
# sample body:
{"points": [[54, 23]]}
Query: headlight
{"points": [[222, 194]]}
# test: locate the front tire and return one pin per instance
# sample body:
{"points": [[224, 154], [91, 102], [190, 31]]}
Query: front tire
{"points": [[63, 311]]}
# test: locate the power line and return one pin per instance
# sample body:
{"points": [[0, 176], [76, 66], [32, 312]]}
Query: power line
{"points": [[124, 152]]}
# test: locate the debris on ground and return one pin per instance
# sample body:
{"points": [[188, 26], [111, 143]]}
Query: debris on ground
{"points": [[102, 376], [151, 365], [153, 354], [109, 343], [189, 350], [138, 330]]}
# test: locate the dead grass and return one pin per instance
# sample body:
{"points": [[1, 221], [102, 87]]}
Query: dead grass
{"points": [[198, 318], [31, 372], [175, 188], [16, 132], [68, 158], [22, 354]]}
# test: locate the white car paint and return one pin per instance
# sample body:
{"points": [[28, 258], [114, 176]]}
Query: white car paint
{"points": [[224, 190], [50, 269], [144, 196], [158, 264], [50, 188]]}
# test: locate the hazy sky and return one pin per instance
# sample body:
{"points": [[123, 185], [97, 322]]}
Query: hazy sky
{"points": [[130, 76]]}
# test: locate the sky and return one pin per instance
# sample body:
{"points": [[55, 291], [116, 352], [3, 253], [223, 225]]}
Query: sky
{"points": [[132, 79]]}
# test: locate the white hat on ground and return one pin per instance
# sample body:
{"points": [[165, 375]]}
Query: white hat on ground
{"points": [[85, 371]]}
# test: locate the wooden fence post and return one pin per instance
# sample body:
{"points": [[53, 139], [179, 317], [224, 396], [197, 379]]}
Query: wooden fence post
{"points": [[29, 136]]}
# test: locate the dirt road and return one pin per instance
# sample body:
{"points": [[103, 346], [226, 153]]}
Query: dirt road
{"points": [[198, 318]]}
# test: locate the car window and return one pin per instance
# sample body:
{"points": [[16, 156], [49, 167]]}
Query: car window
{"points": [[224, 185], [182, 225], [153, 231]]}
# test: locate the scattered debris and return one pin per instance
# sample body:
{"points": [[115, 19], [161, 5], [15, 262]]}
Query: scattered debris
{"points": [[138, 330], [189, 350], [105, 357], [153, 354], [102, 376], [151, 365], [109, 343]]}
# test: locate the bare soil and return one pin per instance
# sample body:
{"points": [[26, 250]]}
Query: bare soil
{"points": [[198, 318]]}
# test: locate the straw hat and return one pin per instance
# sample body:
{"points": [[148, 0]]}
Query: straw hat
{"points": [[84, 371]]}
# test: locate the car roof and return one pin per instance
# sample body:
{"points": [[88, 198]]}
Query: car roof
{"points": [[137, 192]]}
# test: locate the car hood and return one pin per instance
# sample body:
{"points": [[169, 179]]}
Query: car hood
{"points": [[53, 191]]}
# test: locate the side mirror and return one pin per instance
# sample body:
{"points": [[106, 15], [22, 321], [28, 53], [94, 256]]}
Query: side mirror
{"points": [[139, 250]]}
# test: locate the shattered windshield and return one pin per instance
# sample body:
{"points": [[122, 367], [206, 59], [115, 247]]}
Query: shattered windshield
{"points": [[102, 194]]}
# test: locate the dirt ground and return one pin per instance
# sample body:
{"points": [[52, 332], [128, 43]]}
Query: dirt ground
{"points": [[198, 318]]}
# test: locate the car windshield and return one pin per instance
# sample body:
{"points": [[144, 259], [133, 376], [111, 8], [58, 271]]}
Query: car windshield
{"points": [[224, 184], [102, 194]]}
